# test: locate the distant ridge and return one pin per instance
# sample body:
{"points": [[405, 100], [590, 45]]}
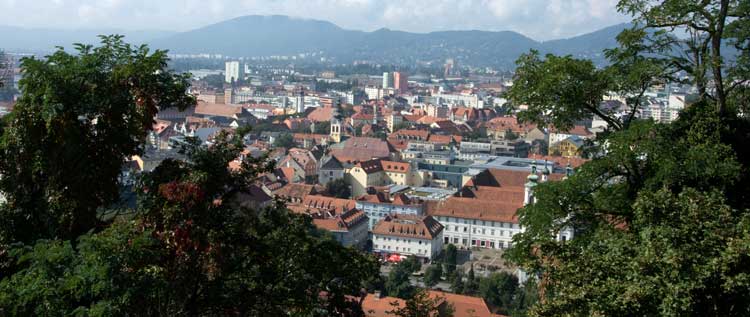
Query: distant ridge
{"points": [[257, 35]]}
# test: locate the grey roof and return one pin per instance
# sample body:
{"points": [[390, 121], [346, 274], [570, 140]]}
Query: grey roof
{"points": [[332, 164]]}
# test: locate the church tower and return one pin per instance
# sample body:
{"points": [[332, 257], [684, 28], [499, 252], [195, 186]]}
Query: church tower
{"points": [[336, 124], [301, 100]]}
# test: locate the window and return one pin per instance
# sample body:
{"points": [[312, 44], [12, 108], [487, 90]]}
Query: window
{"points": [[376, 246], [483, 243], [447, 240], [455, 240], [463, 241], [473, 242], [474, 230], [466, 229], [492, 232], [483, 232]]}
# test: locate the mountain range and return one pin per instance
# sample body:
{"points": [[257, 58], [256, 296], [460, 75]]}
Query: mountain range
{"points": [[281, 35]]}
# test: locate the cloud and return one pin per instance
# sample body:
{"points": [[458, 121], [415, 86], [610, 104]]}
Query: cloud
{"points": [[539, 19]]}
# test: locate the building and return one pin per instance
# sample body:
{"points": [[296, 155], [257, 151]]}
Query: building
{"points": [[378, 172], [483, 213], [577, 130], [303, 162], [569, 147], [407, 235], [387, 80], [232, 72], [375, 305], [348, 228], [330, 169], [358, 149], [378, 206], [400, 82]]}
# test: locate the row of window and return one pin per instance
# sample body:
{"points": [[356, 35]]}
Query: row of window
{"points": [[377, 238], [388, 247], [492, 244], [478, 222], [477, 230]]}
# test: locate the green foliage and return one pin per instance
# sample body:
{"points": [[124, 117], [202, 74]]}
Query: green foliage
{"points": [[659, 222], [420, 305], [398, 283], [338, 188], [192, 246], [707, 27], [560, 90], [451, 258], [191, 251], [285, 140], [499, 290], [215, 81], [79, 117], [432, 275], [457, 282], [412, 264], [322, 127]]}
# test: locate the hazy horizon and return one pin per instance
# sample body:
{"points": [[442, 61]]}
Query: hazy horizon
{"points": [[538, 19]]}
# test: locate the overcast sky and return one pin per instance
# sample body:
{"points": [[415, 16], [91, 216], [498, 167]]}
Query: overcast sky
{"points": [[539, 19]]}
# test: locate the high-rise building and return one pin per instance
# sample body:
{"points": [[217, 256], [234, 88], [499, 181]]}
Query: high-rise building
{"points": [[300, 101], [400, 81], [387, 80], [232, 71]]}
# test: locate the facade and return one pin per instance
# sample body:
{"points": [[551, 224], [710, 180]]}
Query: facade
{"points": [[232, 71], [330, 169], [387, 80], [348, 228], [400, 81], [374, 173], [569, 147], [379, 206], [420, 236]]}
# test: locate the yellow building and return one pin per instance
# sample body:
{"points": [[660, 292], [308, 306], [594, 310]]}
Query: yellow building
{"points": [[568, 147]]}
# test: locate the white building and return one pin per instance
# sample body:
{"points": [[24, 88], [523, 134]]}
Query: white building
{"points": [[232, 71], [408, 235], [377, 207], [348, 228], [387, 80]]}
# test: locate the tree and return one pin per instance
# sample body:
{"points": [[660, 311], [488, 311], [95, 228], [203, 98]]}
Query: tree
{"points": [[421, 305], [457, 282], [322, 127], [398, 283], [77, 120], [451, 256], [284, 140], [339, 188], [411, 264], [191, 251], [709, 25], [499, 290], [471, 287], [433, 275], [191, 246], [659, 222]]}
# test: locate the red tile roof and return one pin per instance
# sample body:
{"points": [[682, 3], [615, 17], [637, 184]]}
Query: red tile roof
{"points": [[408, 226]]}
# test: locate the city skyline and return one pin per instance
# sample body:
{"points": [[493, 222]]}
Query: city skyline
{"points": [[538, 19]]}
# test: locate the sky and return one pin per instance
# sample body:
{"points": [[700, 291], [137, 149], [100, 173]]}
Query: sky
{"points": [[538, 19]]}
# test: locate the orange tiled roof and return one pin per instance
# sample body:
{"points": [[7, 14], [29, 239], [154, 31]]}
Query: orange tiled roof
{"points": [[408, 226]]}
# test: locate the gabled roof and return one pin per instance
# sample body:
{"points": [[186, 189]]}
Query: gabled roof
{"points": [[409, 226], [332, 164], [217, 110]]}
